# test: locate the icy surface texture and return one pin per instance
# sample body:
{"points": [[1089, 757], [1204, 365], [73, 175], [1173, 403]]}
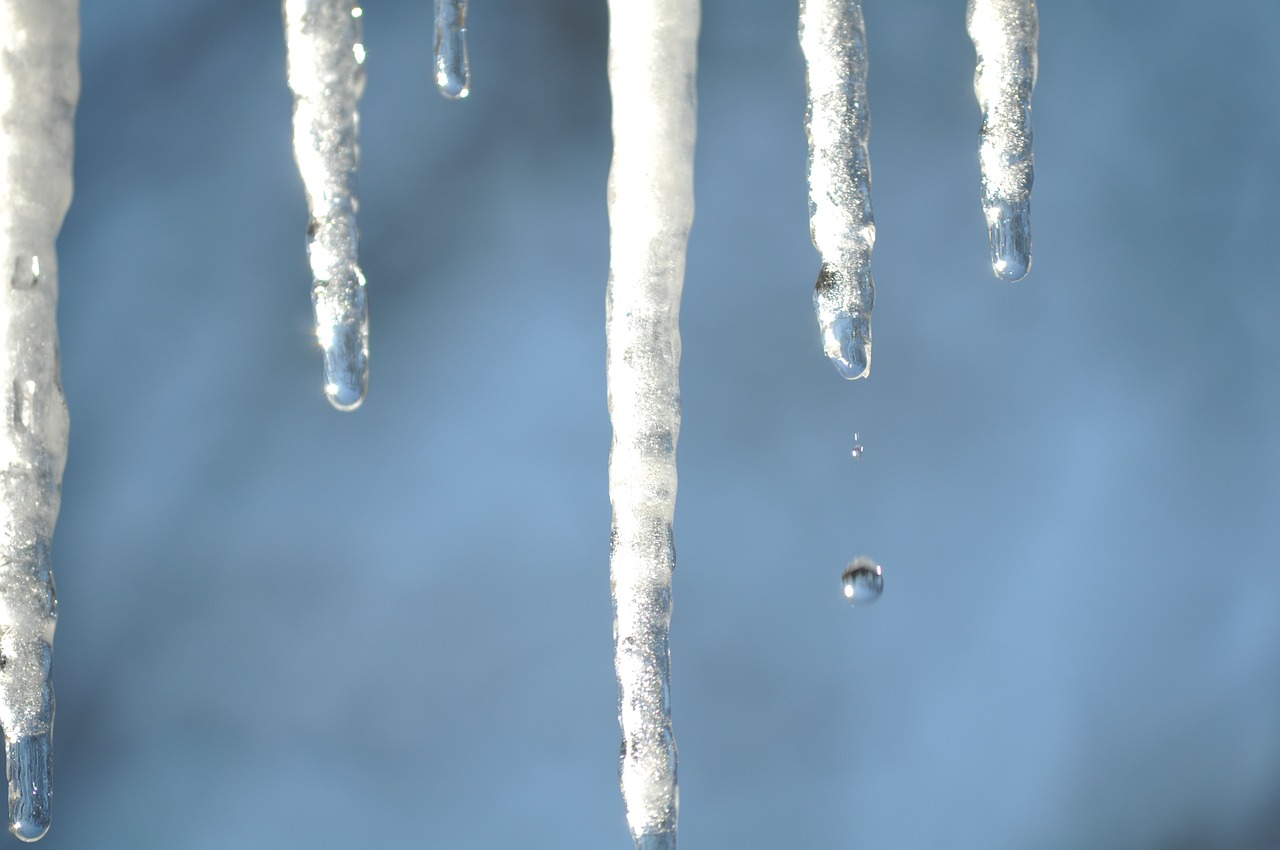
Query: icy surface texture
{"points": [[39, 86], [838, 122], [652, 68], [326, 73], [1004, 35], [453, 67]]}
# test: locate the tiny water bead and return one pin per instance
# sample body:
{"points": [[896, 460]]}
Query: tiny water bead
{"points": [[858, 448], [863, 581]]}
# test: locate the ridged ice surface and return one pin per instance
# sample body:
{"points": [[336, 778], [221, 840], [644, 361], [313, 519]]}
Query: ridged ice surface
{"points": [[652, 67], [326, 74], [834, 41], [1004, 35], [39, 87], [453, 66]]}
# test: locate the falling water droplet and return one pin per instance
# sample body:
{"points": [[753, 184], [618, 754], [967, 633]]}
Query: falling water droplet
{"points": [[863, 581], [453, 66], [857, 447], [29, 786]]}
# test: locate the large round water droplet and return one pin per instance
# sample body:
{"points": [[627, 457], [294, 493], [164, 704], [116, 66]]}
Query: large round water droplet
{"points": [[863, 581]]}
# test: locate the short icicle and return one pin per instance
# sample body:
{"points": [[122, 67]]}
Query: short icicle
{"points": [[39, 88], [834, 41], [326, 74], [652, 68], [1004, 35], [453, 65]]}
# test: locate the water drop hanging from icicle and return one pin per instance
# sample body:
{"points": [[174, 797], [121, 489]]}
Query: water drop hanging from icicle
{"points": [[834, 41], [326, 73], [453, 65], [1004, 36]]}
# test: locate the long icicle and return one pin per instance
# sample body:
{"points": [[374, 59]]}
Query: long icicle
{"points": [[453, 65], [1004, 35], [834, 41], [326, 74], [652, 69], [39, 87]]}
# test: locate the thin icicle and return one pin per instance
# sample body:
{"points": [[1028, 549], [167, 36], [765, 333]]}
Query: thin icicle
{"points": [[326, 73], [39, 87], [652, 65], [843, 227], [453, 66], [1004, 35]]}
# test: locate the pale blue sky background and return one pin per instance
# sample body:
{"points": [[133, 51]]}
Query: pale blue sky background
{"points": [[285, 627]]}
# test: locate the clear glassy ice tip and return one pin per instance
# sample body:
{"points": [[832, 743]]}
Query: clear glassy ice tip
{"points": [[29, 786], [1009, 225], [453, 66], [346, 365], [656, 841]]}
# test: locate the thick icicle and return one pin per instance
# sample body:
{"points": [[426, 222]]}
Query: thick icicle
{"points": [[1004, 35], [843, 227], [652, 65], [326, 73], [39, 87], [453, 66]]}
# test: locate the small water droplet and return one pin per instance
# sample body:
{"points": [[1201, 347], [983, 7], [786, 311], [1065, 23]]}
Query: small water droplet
{"points": [[863, 581], [29, 786], [857, 447]]}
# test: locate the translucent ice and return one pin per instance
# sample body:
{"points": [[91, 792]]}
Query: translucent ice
{"points": [[453, 66], [29, 785], [39, 87], [326, 73], [652, 68], [834, 41], [1004, 35]]}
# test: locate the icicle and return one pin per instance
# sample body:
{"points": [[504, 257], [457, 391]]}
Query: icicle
{"points": [[1004, 35], [652, 64], [39, 86], [843, 227], [326, 73], [453, 66]]}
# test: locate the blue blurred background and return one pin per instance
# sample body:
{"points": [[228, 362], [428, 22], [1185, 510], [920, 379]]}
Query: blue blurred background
{"points": [[285, 627]]}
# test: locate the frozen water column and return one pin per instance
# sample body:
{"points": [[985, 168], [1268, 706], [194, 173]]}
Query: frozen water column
{"points": [[1004, 35], [326, 73], [841, 222], [39, 86], [652, 67]]}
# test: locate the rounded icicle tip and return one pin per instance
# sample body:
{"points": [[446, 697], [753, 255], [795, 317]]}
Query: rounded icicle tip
{"points": [[863, 581], [30, 788], [843, 303], [1009, 227], [346, 364]]}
